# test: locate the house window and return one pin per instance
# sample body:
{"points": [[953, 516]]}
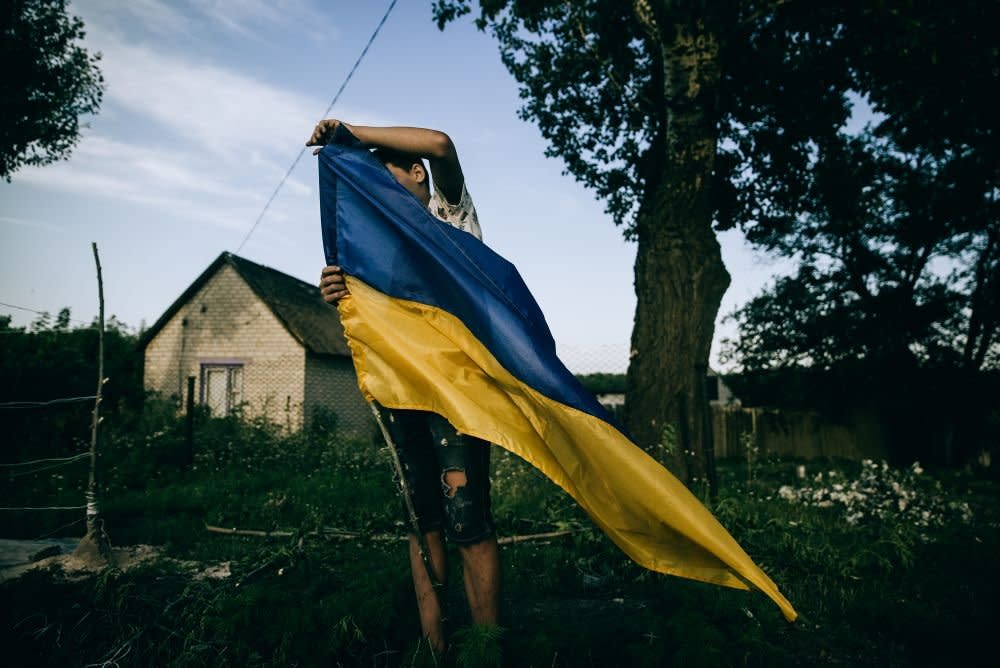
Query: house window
{"points": [[221, 387]]}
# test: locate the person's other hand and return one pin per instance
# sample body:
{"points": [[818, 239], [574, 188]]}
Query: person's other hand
{"points": [[331, 284], [322, 134]]}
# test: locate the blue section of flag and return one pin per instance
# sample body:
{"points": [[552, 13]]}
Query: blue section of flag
{"points": [[379, 232]]}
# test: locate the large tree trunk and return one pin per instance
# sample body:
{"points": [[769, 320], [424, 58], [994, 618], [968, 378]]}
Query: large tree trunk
{"points": [[679, 275]]}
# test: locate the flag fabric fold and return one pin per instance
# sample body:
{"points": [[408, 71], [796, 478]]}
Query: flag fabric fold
{"points": [[437, 321]]}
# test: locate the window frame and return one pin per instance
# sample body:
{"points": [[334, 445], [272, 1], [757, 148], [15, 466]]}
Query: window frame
{"points": [[230, 367]]}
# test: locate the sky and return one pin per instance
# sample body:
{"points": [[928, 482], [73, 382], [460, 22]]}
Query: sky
{"points": [[208, 103]]}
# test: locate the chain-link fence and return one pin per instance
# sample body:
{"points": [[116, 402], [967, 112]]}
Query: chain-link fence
{"points": [[606, 358]]}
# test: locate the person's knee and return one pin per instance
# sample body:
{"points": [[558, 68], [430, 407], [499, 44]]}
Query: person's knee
{"points": [[452, 480], [467, 515]]}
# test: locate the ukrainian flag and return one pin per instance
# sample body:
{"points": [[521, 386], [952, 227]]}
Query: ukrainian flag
{"points": [[436, 321]]}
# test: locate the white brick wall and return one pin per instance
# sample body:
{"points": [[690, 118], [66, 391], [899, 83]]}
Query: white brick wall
{"points": [[225, 320]]}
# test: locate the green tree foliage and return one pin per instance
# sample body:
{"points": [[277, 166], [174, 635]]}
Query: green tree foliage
{"points": [[689, 117], [603, 383], [655, 105], [898, 258], [894, 302], [49, 81], [895, 229], [52, 360]]}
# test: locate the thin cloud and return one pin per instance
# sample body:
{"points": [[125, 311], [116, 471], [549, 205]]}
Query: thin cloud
{"points": [[219, 110], [167, 173], [116, 16], [34, 224], [195, 140], [212, 108], [167, 182], [255, 19]]}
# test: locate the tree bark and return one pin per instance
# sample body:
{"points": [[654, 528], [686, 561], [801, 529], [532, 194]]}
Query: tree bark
{"points": [[679, 275]]}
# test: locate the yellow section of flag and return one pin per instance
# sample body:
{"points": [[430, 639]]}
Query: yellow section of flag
{"points": [[411, 355]]}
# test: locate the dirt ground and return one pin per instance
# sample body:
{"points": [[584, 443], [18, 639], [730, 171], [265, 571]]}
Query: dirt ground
{"points": [[20, 556]]}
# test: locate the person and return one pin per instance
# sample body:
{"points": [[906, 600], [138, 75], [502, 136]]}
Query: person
{"points": [[447, 472]]}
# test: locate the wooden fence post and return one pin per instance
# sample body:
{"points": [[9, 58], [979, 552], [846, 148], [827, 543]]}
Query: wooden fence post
{"points": [[189, 426], [95, 546]]}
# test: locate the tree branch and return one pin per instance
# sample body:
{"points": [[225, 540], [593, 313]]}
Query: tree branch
{"points": [[338, 534]]}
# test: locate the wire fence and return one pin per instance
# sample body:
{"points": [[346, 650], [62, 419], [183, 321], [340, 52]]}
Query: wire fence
{"points": [[30, 481], [36, 465], [589, 358], [50, 402]]}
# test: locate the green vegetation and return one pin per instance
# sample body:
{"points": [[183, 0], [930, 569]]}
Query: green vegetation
{"points": [[50, 82], [876, 584], [603, 383]]}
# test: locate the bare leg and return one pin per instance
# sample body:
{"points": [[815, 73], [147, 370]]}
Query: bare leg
{"points": [[428, 600], [480, 565], [481, 570]]}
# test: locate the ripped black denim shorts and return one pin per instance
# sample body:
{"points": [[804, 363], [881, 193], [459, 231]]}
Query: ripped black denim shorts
{"points": [[429, 447]]}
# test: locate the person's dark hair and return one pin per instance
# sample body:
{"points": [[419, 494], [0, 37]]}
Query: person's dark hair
{"points": [[400, 159]]}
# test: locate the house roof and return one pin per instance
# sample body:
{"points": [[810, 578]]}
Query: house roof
{"points": [[295, 303]]}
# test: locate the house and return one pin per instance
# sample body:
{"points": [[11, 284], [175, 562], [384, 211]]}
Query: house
{"points": [[257, 340]]}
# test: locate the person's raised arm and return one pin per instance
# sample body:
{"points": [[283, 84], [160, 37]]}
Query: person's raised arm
{"points": [[433, 145]]}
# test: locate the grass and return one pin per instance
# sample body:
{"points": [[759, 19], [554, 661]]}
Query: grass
{"points": [[875, 591]]}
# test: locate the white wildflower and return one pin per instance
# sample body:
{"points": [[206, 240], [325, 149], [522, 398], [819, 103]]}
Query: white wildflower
{"points": [[786, 492], [880, 493]]}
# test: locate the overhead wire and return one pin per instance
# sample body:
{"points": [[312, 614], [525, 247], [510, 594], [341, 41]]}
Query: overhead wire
{"points": [[267, 205]]}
